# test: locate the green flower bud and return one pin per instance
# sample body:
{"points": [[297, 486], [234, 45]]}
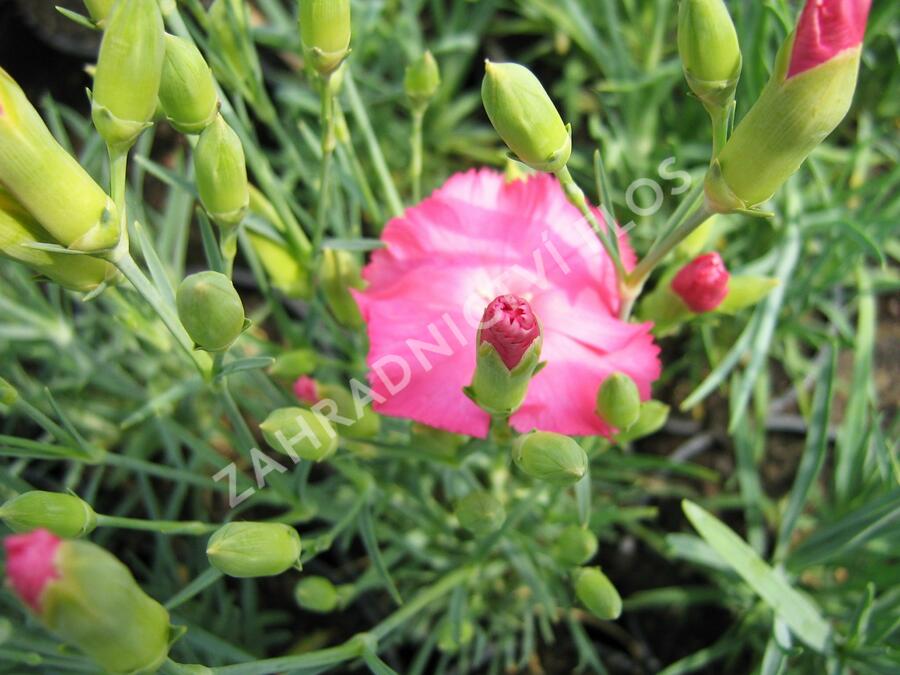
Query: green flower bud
{"points": [[325, 32], [618, 401], [710, 54], [745, 291], [302, 433], [282, 266], [525, 117], [550, 457], [63, 514], [480, 513], [221, 174], [96, 605], [129, 69], [651, 419], [791, 117], [365, 422], [597, 594], [187, 91], [339, 272], [234, 57], [99, 9], [316, 594], [450, 640], [210, 310], [422, 79], [250, 549], [33, 165], [18, 230], [291, 365], [8, 393], [575, 546]]}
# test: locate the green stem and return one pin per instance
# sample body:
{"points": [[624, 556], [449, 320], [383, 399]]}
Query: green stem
{"points": [[576, 197], [415, 164], [719, 116], [362, 180], [395, 205], [118, 166], [634, 282], [162, 526], [326, 120], [228, 246]]}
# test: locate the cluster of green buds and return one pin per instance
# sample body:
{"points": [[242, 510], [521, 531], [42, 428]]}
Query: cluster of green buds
{"points": [[65, 515], [325, 33], [80, 216], [90, 600], [251, 549], [210, 310]]}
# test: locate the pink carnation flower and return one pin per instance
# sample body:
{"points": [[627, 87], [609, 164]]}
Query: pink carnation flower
{"points": [[476, 238], [30, 564], [825, 29]]}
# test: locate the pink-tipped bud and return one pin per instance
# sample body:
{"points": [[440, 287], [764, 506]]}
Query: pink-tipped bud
{"points": [[510, 326], [30, 564], [306, 390], [826, 28], [703, 283]]}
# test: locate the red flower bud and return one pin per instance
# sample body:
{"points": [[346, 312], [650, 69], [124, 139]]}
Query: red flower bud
{"points": [[826, 28], [510, 326], [30, 564], [306, 390], [702, 283]]}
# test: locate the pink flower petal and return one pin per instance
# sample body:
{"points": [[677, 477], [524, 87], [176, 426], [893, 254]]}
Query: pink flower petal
{"points": [[476, 238], [30, 564], [826, 28]]}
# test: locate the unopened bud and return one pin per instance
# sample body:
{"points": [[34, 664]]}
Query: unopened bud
{"points": [[294, 363], [33, 165], [325, 32], [89, 599], [710, 54], [525, 117], [807, 96], [550, 457], [452, 637], [221, 174], [249, 549], [651, 419], [8, 393], [480, 513], [128, 73], [597, 594], [98, 10], [299, 432], [187, 91], [422, 79], [745, 291], [210, 310], [19, 230], [339, 273], [62, 514], [575, 546], [316, 594], [508, 350], [618, 401], [703, 283]]}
